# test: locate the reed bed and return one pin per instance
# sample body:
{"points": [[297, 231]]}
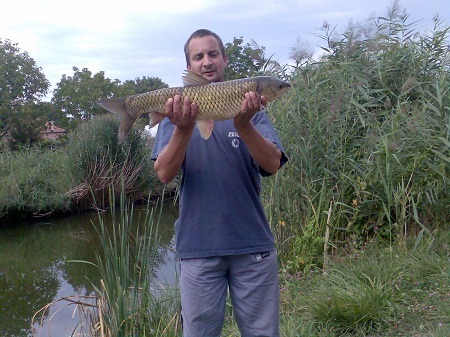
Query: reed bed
{"points": [[366, 129]]}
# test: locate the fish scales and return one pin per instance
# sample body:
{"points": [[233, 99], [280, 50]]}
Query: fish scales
{"points": [[215, 101], [149, 101], [221, 100]]}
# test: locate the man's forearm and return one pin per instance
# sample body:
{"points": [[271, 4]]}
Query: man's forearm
{"points": [[264, 152], [171, 158]]}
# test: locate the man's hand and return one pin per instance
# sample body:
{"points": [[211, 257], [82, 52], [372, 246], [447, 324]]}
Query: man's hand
{"points": [[183, 117], [250, 106], [262, 151]]}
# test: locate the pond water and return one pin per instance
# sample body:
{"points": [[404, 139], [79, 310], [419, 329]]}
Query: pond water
{"points": [[35, 269]]}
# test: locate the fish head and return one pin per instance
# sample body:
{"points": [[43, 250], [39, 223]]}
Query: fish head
{"points": [[271, 88]]}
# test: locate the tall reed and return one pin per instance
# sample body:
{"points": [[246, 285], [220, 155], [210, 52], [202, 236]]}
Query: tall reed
{"points": [[125, 301], [367, 131], [126, 261]]}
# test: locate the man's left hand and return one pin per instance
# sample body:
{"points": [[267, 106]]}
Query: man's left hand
{"points": [[250, 106]]}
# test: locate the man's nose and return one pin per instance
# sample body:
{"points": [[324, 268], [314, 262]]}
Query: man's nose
{"points": [[207, 61]]}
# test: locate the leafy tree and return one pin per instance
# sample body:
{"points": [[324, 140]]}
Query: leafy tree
{"points": [[29, 122], [139, 86], [26, 131], [76, 95], [48, 111], [247, 60], [243, 59], [21, 83]]}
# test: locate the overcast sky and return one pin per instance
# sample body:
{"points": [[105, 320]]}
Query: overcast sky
{"points": [[136, 38]]}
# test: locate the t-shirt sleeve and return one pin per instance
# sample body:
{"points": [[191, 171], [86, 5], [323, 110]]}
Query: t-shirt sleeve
{"points": [[165, 129], [264, 126]]}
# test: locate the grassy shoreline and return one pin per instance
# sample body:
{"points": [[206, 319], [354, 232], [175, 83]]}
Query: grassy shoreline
{"points": [[382, 289], [380, 292]]}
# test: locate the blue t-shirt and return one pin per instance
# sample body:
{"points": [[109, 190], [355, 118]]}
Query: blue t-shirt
{"points": [[220, 209]]}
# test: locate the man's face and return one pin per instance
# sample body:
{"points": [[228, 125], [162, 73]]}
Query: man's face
{"points": [[206, 59]]}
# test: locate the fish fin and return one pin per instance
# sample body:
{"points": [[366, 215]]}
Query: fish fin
{"points": [[155, 118], [192, 79], [126, 122], [205, 127], [261, 106], [117, 105]]}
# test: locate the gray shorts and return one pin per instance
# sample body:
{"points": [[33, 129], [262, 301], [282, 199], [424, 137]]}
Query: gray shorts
{"points": [[252, 280]]}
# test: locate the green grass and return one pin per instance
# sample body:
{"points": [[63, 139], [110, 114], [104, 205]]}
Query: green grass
{"points": [[124, 301], [382, 290], [41, 180], [127, 306], [34, 181], [379, 292]]}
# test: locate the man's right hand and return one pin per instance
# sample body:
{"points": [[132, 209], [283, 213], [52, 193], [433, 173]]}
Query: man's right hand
{"points": [[182, 116], [171, 157]]}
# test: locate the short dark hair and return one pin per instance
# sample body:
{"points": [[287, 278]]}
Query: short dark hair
{"points": [[202, 33]]}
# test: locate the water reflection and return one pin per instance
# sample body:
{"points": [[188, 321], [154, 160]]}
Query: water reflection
{"points": [[34, 270]]}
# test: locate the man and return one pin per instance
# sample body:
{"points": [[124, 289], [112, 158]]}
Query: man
{"points": [[223, 239]]}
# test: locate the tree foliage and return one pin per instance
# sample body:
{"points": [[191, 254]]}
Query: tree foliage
{"points": [[139, 86], [249, 59], [20, 78], [26, 131], [244, 60], [77, 95], [22, 84]]}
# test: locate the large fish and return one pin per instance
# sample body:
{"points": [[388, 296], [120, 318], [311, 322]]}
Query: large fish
{"points": [[215, 101]]}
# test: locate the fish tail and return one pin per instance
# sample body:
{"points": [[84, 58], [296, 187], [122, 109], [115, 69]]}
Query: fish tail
{"points": [[126, 122], [117, 105]]}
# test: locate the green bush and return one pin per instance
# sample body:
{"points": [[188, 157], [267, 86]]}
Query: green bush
{"points": [[60, 177], [100, 163]]}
